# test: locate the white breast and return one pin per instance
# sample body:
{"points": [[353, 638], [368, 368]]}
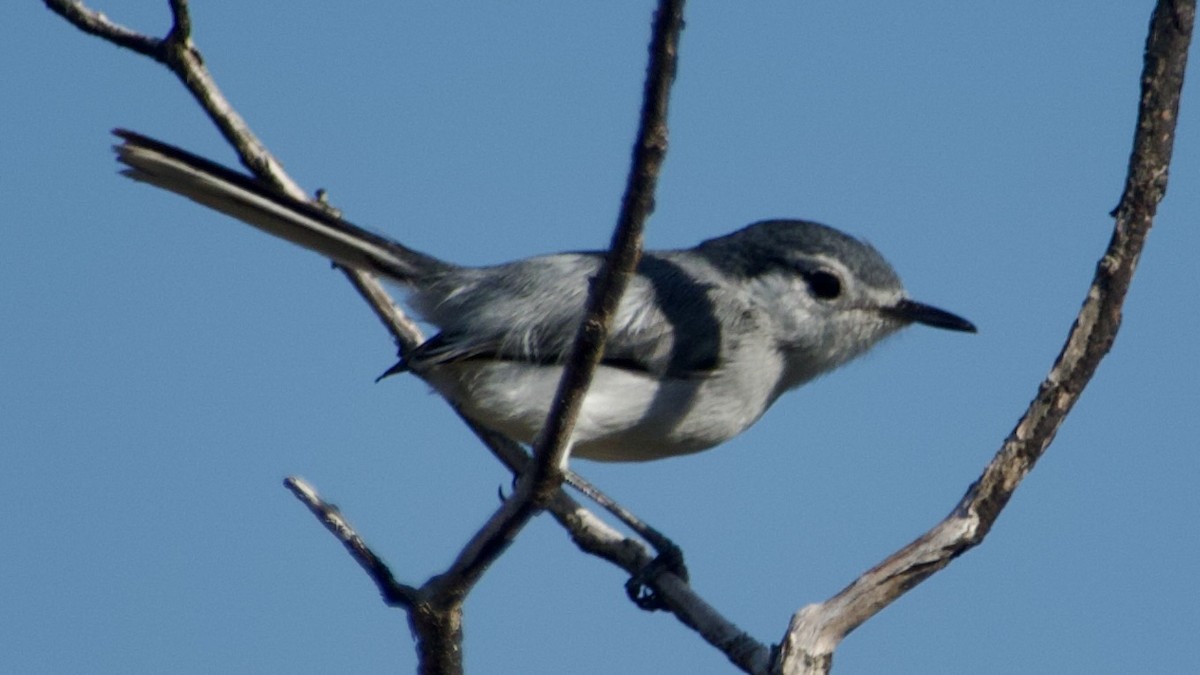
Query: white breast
{"points": [[627, 415]]}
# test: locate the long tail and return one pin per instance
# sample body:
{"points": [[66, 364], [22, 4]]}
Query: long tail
{"points": [[254, 203]]}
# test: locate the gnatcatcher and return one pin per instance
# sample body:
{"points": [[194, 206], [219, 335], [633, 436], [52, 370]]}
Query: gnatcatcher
{"points": [[704, 341]]}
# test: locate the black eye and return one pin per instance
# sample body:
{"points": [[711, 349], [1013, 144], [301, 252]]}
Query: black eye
{"points": [[825, 285]]}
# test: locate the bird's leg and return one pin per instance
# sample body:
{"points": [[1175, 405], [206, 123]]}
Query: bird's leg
{"points": [[669, 558]]}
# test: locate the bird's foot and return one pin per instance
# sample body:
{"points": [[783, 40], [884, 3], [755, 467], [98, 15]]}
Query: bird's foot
{"points": [[640, 587]]}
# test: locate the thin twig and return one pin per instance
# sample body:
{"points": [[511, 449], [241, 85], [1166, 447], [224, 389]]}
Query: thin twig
{"points": [[95, 23], [536, 488], [624, 252], [395, 594]]}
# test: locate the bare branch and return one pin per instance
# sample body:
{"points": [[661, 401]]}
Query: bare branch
{"points": [[405, 332], [188, 66], [182, 18], [625, 251], [181, 56], [537, 488], [95, 23], [177, 52], [595, 537], [394, 593], [435, 611], [816, 630]]}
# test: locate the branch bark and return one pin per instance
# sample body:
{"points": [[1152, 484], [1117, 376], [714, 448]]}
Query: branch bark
{"points": [[435, 608], [816, 630]]}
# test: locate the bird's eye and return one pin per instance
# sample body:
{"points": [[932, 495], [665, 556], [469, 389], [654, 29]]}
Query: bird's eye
{"points": [[825, 285]]}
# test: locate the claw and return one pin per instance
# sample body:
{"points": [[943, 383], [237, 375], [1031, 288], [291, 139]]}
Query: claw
{"points": [[640, 587]]}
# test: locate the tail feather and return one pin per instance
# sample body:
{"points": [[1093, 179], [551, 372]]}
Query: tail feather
{"points": [[252, 202]]}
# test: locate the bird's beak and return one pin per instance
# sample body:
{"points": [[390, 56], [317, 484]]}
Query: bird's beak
{"points": [[917, 312]]}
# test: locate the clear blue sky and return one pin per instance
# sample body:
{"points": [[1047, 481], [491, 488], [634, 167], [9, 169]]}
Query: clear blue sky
{"points": [[163, 368]]}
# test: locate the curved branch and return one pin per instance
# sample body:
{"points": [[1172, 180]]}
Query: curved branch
{"points": [[816, 630]]}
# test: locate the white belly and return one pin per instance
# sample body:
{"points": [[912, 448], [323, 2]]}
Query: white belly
{"points": [[626, 415]]}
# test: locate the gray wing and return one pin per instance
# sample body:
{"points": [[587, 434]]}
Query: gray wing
{"points": [[529, 310]]}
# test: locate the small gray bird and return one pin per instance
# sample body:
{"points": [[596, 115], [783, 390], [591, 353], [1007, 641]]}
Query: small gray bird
{"points": [[704, 341]]}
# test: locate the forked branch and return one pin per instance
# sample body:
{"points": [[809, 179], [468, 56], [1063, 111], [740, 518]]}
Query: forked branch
{"points": [[435, 612]]}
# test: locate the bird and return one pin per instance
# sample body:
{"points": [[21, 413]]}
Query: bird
{"points": [[704, 340]]}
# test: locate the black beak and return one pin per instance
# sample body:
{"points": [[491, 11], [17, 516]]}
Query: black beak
{"points": [[917, 312]]}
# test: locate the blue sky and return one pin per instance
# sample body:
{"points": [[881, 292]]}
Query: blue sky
{"points": [[163, 368]]}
